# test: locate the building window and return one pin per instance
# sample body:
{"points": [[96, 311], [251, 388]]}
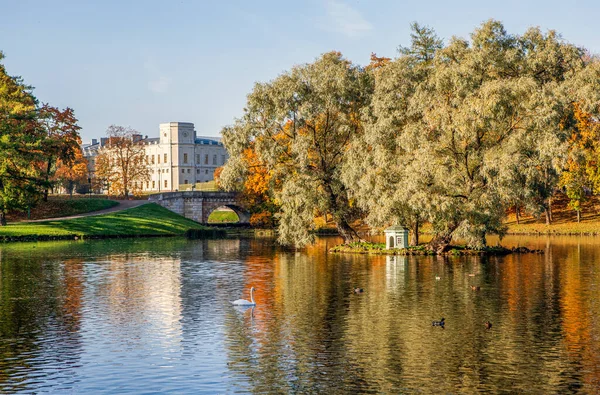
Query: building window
{"points": [[206, 171], [165, 183], [185, 182], [188, 171], [182, 171], [222, 159], [147, 184], [197, 171], [184, 158], [158, 157], [152, 159], [165, 158], [167, 170], [214, 159], [197, 158], [153, 184], [206, 159]]}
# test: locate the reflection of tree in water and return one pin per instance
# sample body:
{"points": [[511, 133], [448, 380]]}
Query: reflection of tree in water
{"points": [[40, 316], [296, 343], [310, 332], [313, 335]]}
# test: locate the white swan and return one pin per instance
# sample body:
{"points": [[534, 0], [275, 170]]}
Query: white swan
{"points": [[244, 302]]}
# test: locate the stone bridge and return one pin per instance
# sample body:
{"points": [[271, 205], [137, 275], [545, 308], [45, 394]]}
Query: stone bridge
{"points": [[197, 205]]}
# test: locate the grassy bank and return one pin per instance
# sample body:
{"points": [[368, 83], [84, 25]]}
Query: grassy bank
{"points": [[564, 219], [223, 217], [379, 249], [62, 207], [143, 221]]}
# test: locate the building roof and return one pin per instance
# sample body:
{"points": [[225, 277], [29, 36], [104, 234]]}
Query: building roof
{"points": [[396, 228], [209, 140]]}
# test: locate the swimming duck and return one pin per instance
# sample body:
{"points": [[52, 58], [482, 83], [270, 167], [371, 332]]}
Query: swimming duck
{"points": [[441, 322], [358, 290], [488, 325], [475, 288]]}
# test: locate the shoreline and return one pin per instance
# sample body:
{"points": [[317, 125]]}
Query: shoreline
{"points": [[453, 250]]}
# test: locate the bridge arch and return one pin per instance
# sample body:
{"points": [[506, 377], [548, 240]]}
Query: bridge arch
{"points": [[197, 205], [242, 214]]}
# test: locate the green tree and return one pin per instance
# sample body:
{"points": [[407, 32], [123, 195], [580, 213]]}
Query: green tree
{"points": [[424, 43], [20, 145], [301, 125]]}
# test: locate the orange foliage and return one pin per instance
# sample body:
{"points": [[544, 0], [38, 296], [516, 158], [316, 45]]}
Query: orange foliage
{"points": [[377, 62], [217, 176], [256, 185], [71, 173], [264, 219]]}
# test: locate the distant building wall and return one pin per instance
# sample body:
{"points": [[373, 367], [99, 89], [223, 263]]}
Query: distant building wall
{"points": [[177, 157]]}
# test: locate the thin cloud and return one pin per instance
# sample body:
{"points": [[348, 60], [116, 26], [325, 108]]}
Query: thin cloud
{"points": [[346, 20]]}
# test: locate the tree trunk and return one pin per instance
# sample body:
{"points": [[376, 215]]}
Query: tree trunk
{"points": [[517, 209], [2, 218], [578, 215], [440, 243], [548, 217], [550, 207], [345, 230], [414, 237], [48, 167], [348, 234]]}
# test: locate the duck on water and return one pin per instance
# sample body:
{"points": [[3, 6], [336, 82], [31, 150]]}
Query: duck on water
{"points": [[439, 323]]}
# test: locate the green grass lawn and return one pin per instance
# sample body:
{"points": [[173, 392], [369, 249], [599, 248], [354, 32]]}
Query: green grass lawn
{"points": [[146, 220], [63, 207], [218, 216]]}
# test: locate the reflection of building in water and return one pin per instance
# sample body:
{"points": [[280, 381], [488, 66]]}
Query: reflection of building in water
{"points": [[144, 297], [394, 271]]}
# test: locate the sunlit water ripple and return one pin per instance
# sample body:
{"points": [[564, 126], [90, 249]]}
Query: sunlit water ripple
{"points": [[155, 316]]}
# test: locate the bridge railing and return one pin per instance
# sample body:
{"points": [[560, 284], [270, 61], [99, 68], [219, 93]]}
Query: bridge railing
{"points": [[193, 194], [209, 186]]}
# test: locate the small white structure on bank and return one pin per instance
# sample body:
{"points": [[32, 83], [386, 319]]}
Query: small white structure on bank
{"points": [[396, 237]]}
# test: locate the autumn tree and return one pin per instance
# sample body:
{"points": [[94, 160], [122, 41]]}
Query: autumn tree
{"points": [[68, 175], [61, 140], [121, 164], [301, 125]]}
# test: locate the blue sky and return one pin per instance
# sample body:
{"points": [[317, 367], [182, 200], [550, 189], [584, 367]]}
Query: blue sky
{"points": [[140, 63]]}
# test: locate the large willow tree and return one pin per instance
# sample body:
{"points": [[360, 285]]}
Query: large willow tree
{"points": [[300, 126], [454, 138]]}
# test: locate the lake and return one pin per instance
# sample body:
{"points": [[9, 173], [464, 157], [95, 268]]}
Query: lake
{"points": [[154, 315]]}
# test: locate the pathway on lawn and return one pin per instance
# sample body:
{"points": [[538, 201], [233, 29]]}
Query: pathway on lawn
{"points": [[123, 205]]}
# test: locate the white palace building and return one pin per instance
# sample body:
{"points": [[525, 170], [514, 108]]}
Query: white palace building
{"points": [[177, 158]]}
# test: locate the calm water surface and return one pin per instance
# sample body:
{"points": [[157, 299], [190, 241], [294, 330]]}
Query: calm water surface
{"points": [[154, 316]]}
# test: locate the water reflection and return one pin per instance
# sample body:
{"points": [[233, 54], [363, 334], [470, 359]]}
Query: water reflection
{"points": [[154, 315]]}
